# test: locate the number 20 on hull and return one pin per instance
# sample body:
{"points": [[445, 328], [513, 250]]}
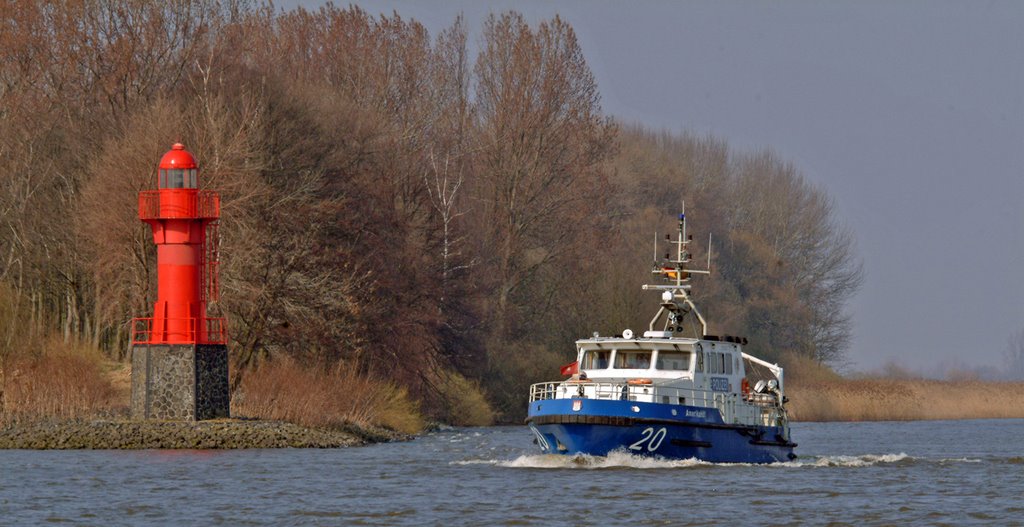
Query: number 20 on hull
{"points": [[649, 439]]}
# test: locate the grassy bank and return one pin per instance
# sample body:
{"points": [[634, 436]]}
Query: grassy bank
{"points": [[67, 396], [52, 381], [324, 397], [70, 394], [817, 393], [905, 400], [60, 381]]}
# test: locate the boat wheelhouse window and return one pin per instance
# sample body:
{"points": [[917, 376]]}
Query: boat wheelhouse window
{"points": [[727, 362], [700, 362], [673, 360], [596, 360], [632, 360]]}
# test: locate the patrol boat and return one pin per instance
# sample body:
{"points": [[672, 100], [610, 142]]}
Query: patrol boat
{"points": [[664, 394]]}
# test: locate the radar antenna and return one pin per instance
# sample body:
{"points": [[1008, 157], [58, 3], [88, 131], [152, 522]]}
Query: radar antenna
{"points": [[676, 301]]}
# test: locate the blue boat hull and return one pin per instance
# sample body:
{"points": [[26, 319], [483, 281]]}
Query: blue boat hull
{"points": [[597, 427]]}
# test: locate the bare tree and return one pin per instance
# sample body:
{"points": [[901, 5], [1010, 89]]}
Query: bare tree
{"points": [[787, 248], [443, 189], [542, 140]]}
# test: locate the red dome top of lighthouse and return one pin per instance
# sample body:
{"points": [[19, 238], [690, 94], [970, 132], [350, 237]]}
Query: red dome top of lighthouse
{"points": [[178, 157]]}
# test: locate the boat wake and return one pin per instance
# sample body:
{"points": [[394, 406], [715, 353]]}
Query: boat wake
{"points": [[867, 460], [617, 460], [583, 461]]}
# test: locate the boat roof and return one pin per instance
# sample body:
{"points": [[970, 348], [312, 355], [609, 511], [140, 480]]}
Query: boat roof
{"points": [[636, 343]]}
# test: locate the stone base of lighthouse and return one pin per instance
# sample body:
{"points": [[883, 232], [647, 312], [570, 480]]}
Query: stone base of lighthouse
{"points": [[180, 382]]}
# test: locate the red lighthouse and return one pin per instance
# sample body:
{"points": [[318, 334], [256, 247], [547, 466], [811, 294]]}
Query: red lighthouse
{"points": [[184, 223], [179, 357]]}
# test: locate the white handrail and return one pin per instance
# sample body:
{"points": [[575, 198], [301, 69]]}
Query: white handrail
{"points": [[760, 408]]}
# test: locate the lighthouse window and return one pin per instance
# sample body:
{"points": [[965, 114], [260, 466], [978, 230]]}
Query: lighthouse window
{"points": [[175, 178], [596, 360], [633, 360], [673, 361]]}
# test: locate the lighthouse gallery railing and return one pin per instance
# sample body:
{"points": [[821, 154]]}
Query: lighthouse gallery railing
{"points": [[143, 331], [205, 205]]}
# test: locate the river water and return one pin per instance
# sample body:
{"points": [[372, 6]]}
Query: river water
{"points": [[922, 473]]}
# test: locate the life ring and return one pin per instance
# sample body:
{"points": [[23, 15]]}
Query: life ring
{"points": [[745, 387], [638, 381]]}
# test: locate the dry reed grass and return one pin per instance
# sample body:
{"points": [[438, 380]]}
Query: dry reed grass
{"points": [[64, 381], [817, 393], [323, 397], [464, 403], [905, 399]]}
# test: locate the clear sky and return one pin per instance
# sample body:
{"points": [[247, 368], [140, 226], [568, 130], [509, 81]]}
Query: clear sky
{"points": [[910, 114]]}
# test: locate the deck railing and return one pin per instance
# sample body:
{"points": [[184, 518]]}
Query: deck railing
{"points": [[757, 407]]}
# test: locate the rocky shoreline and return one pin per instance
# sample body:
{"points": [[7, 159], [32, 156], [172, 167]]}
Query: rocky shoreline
{"points": [[123, 434]]}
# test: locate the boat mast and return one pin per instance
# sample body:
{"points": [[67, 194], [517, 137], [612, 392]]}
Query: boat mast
{"points": [[675, 297]]}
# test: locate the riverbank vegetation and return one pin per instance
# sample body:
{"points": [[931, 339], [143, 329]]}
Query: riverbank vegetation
{"points": [[905, 400], [415, 227], [817, 393], [65, 382], [331, 397]]}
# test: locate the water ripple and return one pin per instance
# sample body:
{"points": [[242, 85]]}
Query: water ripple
{"points": [[926, 474]]}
